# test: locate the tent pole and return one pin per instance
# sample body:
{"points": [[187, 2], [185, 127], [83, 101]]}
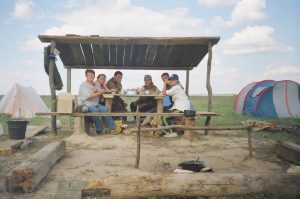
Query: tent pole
{"points": [[187, 81], [208, 86], [52, 88], [69, 79]]}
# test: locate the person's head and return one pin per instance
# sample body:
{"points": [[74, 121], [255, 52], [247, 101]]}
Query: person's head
{"points": [[164, 77], [101, 78], [118, 76], [173, 79], [90, 75], [147, 80]]}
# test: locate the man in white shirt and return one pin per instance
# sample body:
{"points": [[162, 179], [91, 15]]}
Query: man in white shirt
{"points": [[180, 99], [89, 95]]}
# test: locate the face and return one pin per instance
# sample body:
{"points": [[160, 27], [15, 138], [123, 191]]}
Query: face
{"points": [[172, 82], [164, 78], [102, 79], [118, 78], [147, 82], [90, 77]]}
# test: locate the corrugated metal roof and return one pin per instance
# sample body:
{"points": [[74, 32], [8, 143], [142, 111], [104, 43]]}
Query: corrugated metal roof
{"points": [[140, 53]]}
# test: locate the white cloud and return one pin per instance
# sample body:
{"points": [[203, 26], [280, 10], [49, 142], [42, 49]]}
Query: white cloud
{"points": [[69, 4], [252, 40], [23, 9], [33, 44], [244, 11], [121, 18], [217, 2], [271, 70]]}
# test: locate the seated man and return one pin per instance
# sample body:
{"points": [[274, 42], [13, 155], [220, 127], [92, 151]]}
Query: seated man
{"points": [[180, 99], [146, 104], [89, 95], [118, 105]]}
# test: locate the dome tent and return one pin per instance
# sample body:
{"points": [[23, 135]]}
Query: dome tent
{"points": [[269, 98], [22, 102]]}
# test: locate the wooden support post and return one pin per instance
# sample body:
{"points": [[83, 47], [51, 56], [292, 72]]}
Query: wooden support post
{"points": [[249, 131], [52, 89], [187, 82], [138, 138], [31, 172], [108, 102], [79, 125], [208, 86], [69, 77], [159, 109]]}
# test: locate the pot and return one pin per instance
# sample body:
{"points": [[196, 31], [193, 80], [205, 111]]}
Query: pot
{"points": [[189, 113]]}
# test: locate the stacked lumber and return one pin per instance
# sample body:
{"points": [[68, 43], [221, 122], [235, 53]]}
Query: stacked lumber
{"points": [[30, 172]]}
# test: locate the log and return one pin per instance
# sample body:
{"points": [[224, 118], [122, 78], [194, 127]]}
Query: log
{"points": [[288, 151], [183, 185], [9, 147], [138, 137], [52, 89], [31, 171]]}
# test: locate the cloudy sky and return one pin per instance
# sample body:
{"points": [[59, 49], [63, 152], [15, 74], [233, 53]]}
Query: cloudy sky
{"points": [[259, 38]]}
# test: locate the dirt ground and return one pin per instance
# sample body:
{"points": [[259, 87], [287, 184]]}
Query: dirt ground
{"points": [[92, 158]]}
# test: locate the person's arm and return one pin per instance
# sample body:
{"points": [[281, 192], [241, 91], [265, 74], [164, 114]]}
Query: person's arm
{"points": [[165, 87]]}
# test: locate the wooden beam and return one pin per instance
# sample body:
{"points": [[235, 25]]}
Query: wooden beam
{"points": [[69, 79], [288, 151], [208, 86], [130, 40], [78, 114], [182, 185], [52, 88], [138, 138], [31, 171], [187, 81], [128, 67]]}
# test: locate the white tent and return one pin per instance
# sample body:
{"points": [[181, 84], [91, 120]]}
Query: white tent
{"points": [[22, 102]]}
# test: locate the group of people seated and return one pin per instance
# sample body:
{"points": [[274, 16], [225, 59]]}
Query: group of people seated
{"points": [[91, 94]]}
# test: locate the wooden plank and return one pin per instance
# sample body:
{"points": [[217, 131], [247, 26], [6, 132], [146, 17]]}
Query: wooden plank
{"points": [[64, 103], [112, 55], [65, 54], [33, 132], [130, 40], [31, 171], [128, 55], [9, 147], [208, 87], [138, 55], [160, 55], [150, 55], [120, 54], [88, 54], [105, 55], [76, 54], [288, 151], [78, 114], [98, 54]]}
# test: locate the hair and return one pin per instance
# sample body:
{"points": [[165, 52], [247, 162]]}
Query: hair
{"points": [[118, 73], [101, 75], [89, 71], [165, 74]]}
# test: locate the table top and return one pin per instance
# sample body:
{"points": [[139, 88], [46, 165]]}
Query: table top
{"points": [[133, 95]]}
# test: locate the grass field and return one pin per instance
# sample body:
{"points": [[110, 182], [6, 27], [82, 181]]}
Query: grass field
{"points": [[221, 104]]}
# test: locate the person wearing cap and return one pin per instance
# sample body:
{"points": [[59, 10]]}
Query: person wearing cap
{"points": [[180, 99], [146, 104]]}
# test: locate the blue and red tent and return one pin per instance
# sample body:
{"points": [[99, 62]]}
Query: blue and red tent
{"points": [[269, 98]]}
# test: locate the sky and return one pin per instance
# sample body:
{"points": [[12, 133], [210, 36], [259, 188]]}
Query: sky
{"points": [[259, 38]]}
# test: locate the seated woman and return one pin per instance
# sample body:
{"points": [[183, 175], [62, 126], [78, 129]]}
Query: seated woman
{"points": [[146, 104], [100, 84], [89, 95], [180, 99]]}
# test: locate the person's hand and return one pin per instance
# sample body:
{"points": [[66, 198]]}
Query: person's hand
{"points": [[113, 90]]}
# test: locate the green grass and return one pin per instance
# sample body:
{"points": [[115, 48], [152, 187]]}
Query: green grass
{"points": [[221, 104]]}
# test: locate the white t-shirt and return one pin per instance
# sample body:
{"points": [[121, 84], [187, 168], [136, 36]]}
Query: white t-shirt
{"points": [[180, 99], [86, 90]]}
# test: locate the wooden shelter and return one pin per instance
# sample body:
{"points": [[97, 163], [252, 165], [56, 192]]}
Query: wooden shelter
{"points": [[135, 53]]}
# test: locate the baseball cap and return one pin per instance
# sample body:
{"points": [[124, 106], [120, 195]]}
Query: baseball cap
{"points": [[147, 77], [174, 77]]}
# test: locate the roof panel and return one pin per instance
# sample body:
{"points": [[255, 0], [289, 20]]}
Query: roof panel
{"points": [[163, 53]]}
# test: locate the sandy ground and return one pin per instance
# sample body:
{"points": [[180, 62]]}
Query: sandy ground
{"points": [[89, 158]]}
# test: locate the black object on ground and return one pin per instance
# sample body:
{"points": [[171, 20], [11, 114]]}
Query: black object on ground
{"points": [[192, 165]]}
